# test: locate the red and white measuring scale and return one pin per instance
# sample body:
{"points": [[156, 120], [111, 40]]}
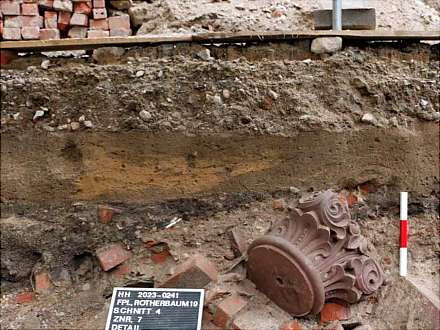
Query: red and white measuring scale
{"points": [[403, 233]]}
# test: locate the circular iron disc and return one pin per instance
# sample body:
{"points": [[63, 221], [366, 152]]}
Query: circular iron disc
{"points": [[285, 275]]}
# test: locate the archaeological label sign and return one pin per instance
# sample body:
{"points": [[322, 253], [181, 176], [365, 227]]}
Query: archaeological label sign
{"points": [[155, 309]]}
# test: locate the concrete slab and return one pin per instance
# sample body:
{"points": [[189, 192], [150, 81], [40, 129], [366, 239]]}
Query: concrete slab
{"points": [[352, 19]]}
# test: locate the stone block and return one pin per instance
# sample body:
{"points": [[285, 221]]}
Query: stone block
{"points": [[352, 19]]}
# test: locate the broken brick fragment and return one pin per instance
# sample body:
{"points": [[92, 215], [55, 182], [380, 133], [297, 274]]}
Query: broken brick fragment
{"points": [[351, 199], [196, 272], [24, 297], [105, 212], [42, 282], [160, 253], [334, 312], [228, 309], [278, 204], [7, 57], [290, 325], [238, 243], [121, 270], [112, 255]]}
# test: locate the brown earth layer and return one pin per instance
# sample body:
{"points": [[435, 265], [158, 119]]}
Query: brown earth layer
{"points": [[134, 166]]}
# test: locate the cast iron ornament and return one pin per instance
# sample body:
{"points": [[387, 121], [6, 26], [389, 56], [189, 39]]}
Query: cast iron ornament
{"points": [[315, 255]]}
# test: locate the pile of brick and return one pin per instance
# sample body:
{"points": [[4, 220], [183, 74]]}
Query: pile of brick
{"points": [[55, 19]]}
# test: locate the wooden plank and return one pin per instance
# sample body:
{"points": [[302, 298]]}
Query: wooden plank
{"points": [[292, 35], [215, 37], [75, 44]]}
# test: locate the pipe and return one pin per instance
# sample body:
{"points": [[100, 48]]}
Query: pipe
{"points": [[337, 15]]}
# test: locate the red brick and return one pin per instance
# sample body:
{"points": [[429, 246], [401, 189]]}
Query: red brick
{"points": [[50, 19], [46, 4], [290, 325], [82, 8], [29, 9], [10, 8], [196, 272], [160, 256], [63, 20], [27, 21], [79, 32], [99, 13], [92, 34], [13, 21], [227, 310], [7, 57], [11, 33], [46, 34], [30, 33], [112, 255], [99, 24], [79, 20], [105, 212], [120, 32], [351, 199], [63, 5], [24, 297], [334, 312], [42, 282], [121, 270], [98, 3], [119, 22]]}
